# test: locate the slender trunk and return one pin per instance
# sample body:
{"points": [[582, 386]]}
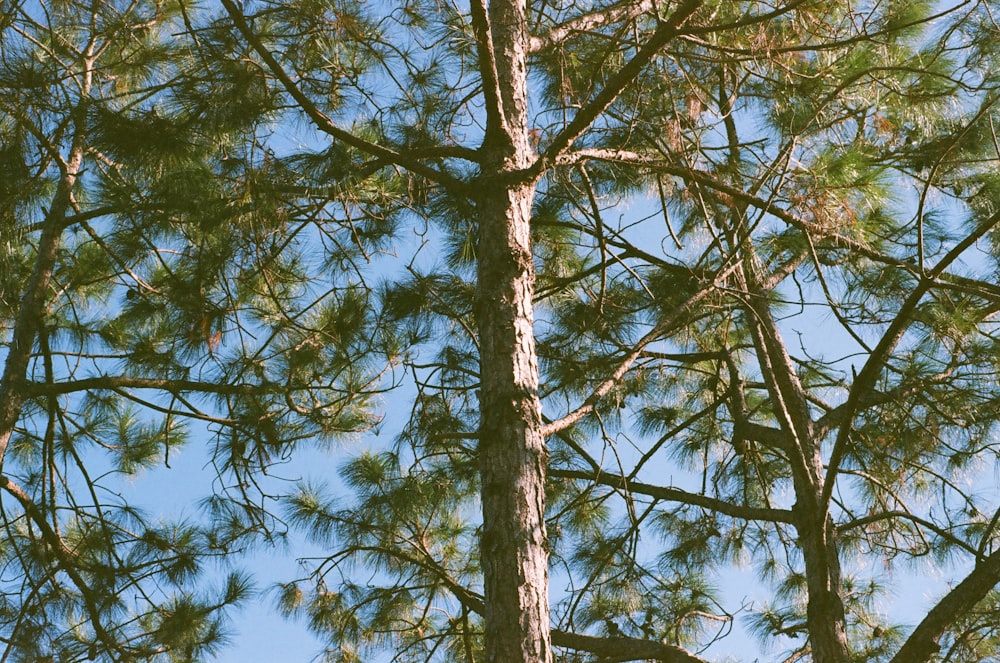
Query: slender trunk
{"points": [[31, 306], [512, 450], [825, 616]]}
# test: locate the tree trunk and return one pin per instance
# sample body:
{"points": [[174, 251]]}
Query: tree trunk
{"points": [[825, 615], [511, 447], [514, 544]]}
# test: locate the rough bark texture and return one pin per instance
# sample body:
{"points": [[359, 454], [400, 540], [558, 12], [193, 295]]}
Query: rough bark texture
{"points": [[512, 448]]}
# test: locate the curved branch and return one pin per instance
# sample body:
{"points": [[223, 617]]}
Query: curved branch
{"points": [[32, 303], [323, 122]]}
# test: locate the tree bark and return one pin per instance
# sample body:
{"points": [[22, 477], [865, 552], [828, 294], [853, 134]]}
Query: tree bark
{"points": [[511, 447], [512, 450]]}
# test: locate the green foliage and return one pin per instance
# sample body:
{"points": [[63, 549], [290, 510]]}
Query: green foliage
{"points": [[764, 290]]}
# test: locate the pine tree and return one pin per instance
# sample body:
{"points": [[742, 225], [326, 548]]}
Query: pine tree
{"points": [[699, 175], [601, 246]]}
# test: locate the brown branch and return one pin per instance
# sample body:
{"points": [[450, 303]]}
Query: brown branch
{"points": [[32, 303], [837, 416], [677, 495], [610, 649], [493, 95], [621, 11], [922, 644], [657, 164], [728, 191], [774, 438]]}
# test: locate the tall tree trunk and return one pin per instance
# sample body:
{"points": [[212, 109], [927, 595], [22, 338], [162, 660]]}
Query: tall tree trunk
{"points": [[511, 446], [826, 620]]}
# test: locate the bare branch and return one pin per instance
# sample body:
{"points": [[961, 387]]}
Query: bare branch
{"points": [[495, 119]]}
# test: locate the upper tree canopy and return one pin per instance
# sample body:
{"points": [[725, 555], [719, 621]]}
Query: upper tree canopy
{"points": [[763, 240]]}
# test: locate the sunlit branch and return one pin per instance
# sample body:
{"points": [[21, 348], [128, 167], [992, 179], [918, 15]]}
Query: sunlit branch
{"points": [[613, 88], [495, 117], [617, 13]]}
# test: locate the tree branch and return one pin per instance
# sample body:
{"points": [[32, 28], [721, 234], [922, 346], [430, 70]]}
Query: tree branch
{"points": [[493, 95], [890, 515], [922, 643], [623, 649], [616, 84], [327, 125], [868, 375], [67, 562], [654, 334], [621, 11], [677, 495], [31, 306], [163, 384]]}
